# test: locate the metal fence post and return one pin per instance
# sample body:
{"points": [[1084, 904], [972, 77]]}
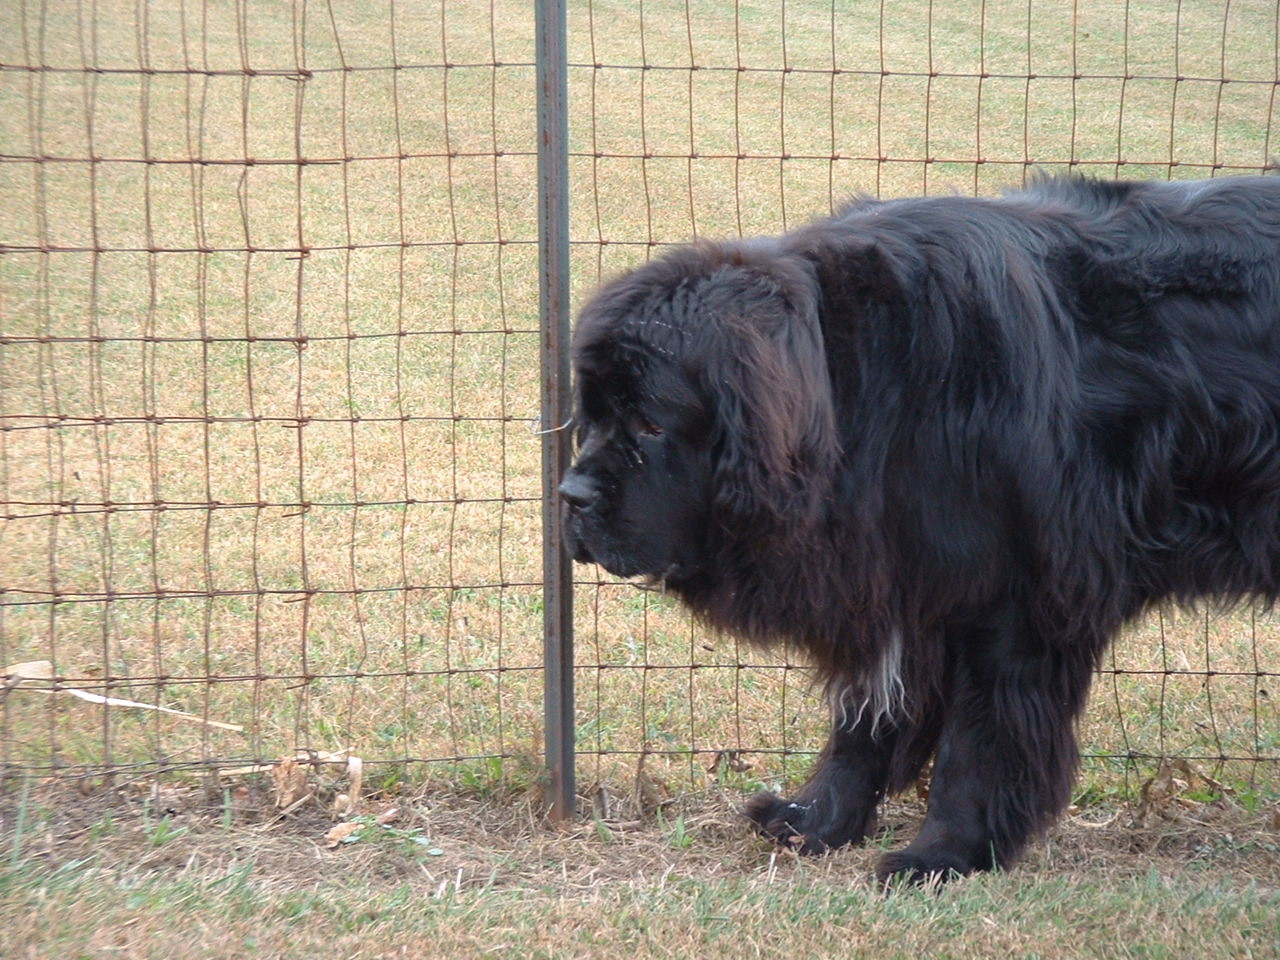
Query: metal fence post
{"points": [[553, 263]]}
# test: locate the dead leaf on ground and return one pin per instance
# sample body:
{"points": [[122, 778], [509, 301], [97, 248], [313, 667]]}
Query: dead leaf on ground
{"points": [[289, 780], [28, 670], [355, 773], [1161, 790], [1165, 794], [339, 834], [650, 793], [728, 760]]}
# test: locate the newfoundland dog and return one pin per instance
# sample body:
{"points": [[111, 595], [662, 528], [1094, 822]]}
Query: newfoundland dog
{"points": [[947, 446]]}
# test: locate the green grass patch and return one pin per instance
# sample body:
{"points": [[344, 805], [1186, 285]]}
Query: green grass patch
{"points": [[86, 910]]}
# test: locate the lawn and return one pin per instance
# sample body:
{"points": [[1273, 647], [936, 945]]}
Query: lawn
{"points": [[269, 391]]}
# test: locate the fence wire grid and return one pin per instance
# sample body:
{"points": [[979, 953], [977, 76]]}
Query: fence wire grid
{"points": [[269, 351]]}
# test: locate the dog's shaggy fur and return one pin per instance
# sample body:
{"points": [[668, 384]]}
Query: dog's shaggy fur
{"points": [[948, 446]]}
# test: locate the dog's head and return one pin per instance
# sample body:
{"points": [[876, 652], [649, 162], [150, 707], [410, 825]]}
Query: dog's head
{"points": [[703, 411]]}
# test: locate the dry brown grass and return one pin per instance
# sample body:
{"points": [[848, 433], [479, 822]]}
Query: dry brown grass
{"points": [[504, 842], [162, 870]]}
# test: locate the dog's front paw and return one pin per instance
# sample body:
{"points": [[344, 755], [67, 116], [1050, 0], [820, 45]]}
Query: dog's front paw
{"points": [[786, 823]]}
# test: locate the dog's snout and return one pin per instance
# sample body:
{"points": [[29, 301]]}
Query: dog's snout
{"points": [[579, 491]]}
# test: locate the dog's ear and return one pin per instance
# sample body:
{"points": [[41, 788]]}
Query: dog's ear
{"points": [[765, 371]]}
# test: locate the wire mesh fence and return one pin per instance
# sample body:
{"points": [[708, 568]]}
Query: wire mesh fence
{"points": [[270, 348], [269, 352]]}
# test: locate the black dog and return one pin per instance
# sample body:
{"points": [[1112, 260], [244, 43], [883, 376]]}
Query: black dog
{"points": [[948, 446]]}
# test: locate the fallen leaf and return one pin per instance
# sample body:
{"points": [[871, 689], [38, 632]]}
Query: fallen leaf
{"points": [[1162, 791], [650, 792], [342, 833], [355, 771], [731, 760], [289, 778], [29, 670]]}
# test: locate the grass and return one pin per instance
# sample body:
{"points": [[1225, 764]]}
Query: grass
{"points": [[235, 916], [453, 876], [299, 492]]}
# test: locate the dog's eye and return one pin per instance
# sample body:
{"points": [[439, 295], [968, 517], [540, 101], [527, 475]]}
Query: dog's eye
{"points": [[641, 426]]}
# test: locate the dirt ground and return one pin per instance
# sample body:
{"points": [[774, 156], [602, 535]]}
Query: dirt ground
{"points": [[438, 839]]}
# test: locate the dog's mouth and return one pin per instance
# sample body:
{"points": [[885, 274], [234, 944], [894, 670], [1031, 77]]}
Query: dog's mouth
{"points": [[578, 549], [621, 564], [659, 582], [625, 553], [600, 553], [626, 568]]}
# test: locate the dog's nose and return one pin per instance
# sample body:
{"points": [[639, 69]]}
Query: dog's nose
{"points": [[579, 491]]}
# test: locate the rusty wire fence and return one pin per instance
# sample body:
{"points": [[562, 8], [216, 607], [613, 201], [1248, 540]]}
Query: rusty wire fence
{"points": [[269, 357]]}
